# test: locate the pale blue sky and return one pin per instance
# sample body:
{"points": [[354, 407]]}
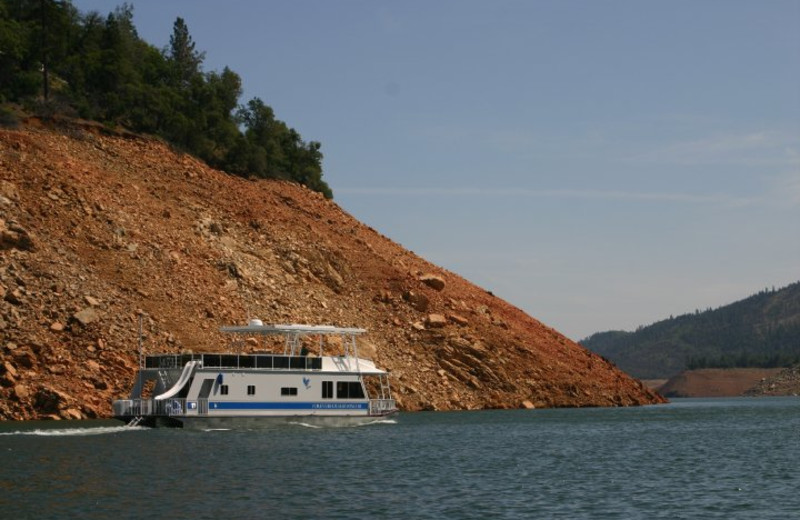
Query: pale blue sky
{"points": [[600, 165]]}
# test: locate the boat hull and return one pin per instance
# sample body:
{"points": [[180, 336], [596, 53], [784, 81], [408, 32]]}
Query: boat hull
{"points": [[258, 422]]}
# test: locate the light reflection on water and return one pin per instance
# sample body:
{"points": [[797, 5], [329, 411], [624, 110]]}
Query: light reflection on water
{"points": [[694, 458]]}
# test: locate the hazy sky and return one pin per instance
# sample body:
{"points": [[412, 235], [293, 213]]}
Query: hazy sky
{"points": [[600, 165]]}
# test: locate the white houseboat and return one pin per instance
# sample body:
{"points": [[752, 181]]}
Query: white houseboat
{"points": [[238, 389]]}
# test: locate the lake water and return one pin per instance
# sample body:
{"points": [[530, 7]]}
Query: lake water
{"points": [[693, 458]]}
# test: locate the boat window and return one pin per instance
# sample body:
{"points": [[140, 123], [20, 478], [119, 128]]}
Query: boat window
{"points": [[223, 389], [327, 389], [264, 361], [211, 360], [251, 389], [281, 361], [247, 361], [349, 390], [229, 361], [297, 362], [289, 390]]}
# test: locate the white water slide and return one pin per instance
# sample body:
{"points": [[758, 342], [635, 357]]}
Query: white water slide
{"points": [[187, 373]]}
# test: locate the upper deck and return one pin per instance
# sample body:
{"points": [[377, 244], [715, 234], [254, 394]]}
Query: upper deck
{"points": [[235, 361], [257, 327], [295, 355], [230, 361]]}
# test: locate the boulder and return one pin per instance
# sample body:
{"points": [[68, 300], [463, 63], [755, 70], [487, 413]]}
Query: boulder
{"points": [[435, 321], [21, 392], [418, 301], [48, 400], [7, 380], [384, 296], [8, 368], [86, 317], [526, 404], [458, 320], [12, 236], [71, 414], [433, 281], [24, 358]]}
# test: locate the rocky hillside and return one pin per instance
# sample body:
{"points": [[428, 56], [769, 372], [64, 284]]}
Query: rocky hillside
{"points": [[98, 228], [716, 382], [785, 382]]}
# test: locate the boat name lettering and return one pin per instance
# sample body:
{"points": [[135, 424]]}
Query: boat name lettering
{"points": [[337, 406]]}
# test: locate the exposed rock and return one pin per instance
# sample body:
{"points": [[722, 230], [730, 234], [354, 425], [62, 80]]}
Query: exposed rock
{"points": [[433, 281], [72, 414], [9, 192], [8, 368], [48, 400], [57, 326], [367, 350], [21, 392], [458, 320], [15, 297], [384, 296], [784, 382], [85, 248], [435, 321], [417, 300], [716, 382], [86, 317], [7, 380], [13, 236], [527, 405], [24, 358]]}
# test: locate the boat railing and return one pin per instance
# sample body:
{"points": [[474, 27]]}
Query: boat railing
{"points": [[381, 406], [235, 361], [149, 407]]}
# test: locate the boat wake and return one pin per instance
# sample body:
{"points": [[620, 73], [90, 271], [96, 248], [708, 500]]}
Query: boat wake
{"points": [[381, 421], [342, 424], [306, 425], [75, 432]]}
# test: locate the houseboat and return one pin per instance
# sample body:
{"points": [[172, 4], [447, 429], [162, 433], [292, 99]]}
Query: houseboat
{"points": [[248, 387]]}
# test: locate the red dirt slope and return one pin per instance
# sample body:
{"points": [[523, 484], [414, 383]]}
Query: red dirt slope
{"points": [[96, 228]]}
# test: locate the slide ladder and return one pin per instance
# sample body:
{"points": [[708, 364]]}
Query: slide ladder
{"points": [[163, 375]]}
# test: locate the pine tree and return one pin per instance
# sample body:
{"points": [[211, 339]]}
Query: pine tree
{"points": [[186, 61]]}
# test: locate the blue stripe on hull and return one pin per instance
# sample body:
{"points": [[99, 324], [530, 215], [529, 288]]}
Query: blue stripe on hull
{"points": [[245, 405]]}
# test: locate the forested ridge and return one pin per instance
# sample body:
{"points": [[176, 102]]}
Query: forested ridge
{"points": [[761, 331], [58, 62]]}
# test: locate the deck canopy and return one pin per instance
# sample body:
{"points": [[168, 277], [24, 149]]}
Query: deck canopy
{"points": [[293, 334], [256, 327]]}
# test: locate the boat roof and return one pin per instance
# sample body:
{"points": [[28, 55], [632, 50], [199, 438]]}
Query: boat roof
{"points": [[256, 327]]}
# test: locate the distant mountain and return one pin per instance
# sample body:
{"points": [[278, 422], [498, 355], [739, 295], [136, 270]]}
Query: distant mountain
{"points": [[760, 331]]}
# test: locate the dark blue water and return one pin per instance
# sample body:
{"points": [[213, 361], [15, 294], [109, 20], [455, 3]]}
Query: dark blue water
{"points": [[716, 458]]}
